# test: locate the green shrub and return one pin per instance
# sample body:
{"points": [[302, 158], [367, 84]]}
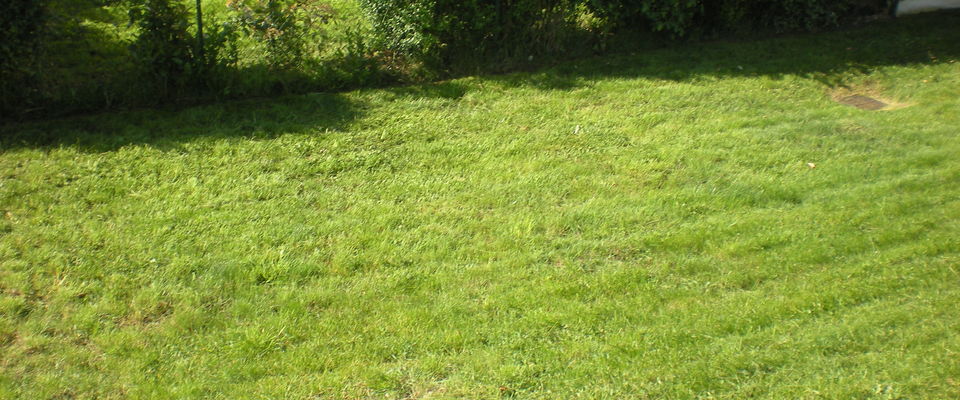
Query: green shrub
{"points": [[168, 51], [781, 15], [356, 64], [21, 23], [165, 48], [692, 18], [288, 29], [61, 55], [444, 34], [677, 17]]}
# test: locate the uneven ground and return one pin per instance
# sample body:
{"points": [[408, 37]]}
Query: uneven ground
{"points": [[700, 222]]}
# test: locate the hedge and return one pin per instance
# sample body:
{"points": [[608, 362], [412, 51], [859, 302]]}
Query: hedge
{"points": [[441, 32]]}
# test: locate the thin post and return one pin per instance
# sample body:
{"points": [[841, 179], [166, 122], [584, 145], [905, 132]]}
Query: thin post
{"points": [[200, 31]]}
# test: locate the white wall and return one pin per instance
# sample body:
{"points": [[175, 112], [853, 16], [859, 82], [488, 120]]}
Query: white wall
{"points": [[918, 6]]}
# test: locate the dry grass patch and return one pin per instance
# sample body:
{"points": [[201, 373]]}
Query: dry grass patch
{"points": [[868, 96]]}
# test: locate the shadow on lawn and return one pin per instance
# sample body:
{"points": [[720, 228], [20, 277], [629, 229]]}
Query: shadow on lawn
{"points": [[170, 128], [830, 58]]}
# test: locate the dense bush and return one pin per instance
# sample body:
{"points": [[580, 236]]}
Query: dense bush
{"points": [[692, 18], [675, 16], [21, 22], [457, 33], [782, 15], [164, 47], [444, 33], [288, 29]]}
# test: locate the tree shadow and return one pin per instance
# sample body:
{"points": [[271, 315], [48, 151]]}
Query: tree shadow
{"points": [[830, 58], [170, 128], [827, 57], [448, 90]]}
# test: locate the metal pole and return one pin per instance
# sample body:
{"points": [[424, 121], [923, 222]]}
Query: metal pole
{"points": [[200, 31]]}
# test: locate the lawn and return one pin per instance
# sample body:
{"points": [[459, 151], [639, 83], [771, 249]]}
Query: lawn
{"points": [[703, 221]]}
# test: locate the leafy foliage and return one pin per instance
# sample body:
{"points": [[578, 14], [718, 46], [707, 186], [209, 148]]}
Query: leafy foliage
{"points": [[21, 22], [20, 25], [164, 46], [445, 33], [289, 29], [686, 18]]}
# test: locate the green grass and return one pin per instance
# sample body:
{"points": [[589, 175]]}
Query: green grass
{"points": [[639, 226]]}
